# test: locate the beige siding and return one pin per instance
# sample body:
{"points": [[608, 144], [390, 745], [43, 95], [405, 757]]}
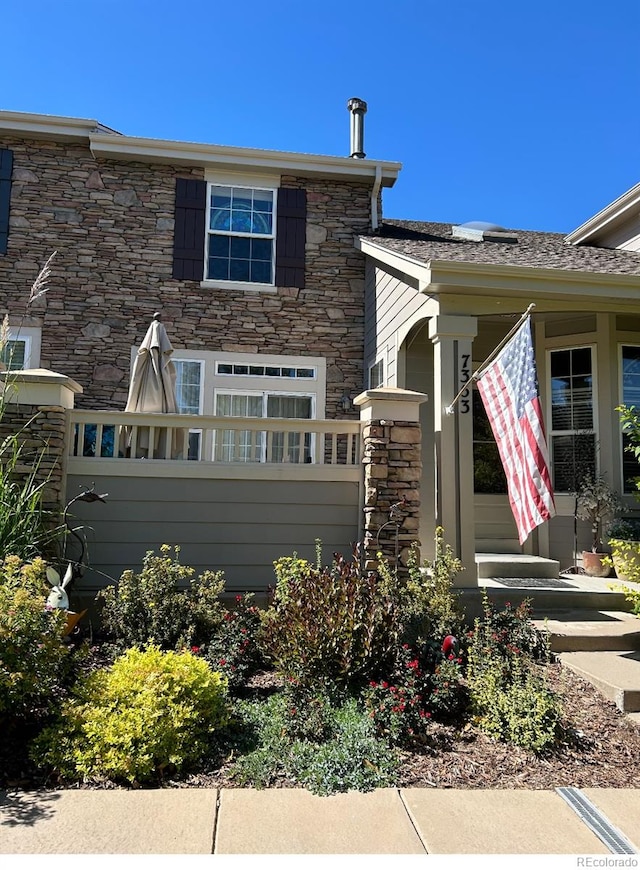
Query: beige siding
{"points": [[238, 526], [625, 237], [390, 304]]}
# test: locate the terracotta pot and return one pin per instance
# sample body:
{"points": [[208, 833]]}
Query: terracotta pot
{"points": [[592, 564]]}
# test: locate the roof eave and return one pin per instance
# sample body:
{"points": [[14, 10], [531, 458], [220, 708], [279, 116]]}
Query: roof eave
{"points": [[614, 212], [109, 144], [450, 276], [197, 154]]}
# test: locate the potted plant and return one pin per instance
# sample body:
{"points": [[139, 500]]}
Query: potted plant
{"points": [[596, 502], [624, 541]]}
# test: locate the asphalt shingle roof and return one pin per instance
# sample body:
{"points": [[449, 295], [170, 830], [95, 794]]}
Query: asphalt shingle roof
{"points": [[425, 241]]}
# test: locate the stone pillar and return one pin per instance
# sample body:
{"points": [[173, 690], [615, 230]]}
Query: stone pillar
{"points": [[452, 339], [34, 407], [392, 472]]}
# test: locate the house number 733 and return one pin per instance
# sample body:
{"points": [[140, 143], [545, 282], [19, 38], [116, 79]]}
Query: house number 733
{"points": [[465, 376]]}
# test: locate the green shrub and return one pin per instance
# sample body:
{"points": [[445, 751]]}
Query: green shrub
{"points": [[164, 605], [347, 755], [149, 713], [509, 694], [429, 607], [233, 649], [515, 704], [334, 628], [34, 660]]}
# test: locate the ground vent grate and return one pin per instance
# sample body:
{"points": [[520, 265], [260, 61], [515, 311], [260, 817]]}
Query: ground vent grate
{"points": [[613, 839]]}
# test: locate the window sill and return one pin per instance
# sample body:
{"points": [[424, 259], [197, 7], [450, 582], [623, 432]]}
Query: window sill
{"points": [[238, 285]]}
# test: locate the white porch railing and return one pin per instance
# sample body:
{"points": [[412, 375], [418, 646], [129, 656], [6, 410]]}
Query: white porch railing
{"points": [[119, 435]]}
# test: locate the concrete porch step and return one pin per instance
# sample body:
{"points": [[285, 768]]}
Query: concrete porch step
{"points": [[615, 674], [583, 630], [496, 565]]}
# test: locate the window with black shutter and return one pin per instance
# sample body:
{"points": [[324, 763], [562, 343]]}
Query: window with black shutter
{"points": [[6, 168], [241, 234], [189, 233], [291, 237]]}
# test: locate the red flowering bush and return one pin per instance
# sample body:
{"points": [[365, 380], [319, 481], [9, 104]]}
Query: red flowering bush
{"points": [[233, 649], [424, 684]]}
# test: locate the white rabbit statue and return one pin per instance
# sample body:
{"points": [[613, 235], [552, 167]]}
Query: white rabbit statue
{"points": [[58, 598]]}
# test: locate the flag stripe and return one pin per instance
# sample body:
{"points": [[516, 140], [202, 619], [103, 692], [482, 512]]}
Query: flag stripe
{"points": [[509, 391]]}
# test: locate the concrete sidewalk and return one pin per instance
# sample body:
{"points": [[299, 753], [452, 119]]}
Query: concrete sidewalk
{"points": [[293, 822]]}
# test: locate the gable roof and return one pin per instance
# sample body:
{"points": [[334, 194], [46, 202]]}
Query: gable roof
{"points": [[614, 214], [424, 242]]}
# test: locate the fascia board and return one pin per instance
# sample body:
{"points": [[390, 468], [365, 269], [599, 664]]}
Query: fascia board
{"points": [[108, 143], [416, 269], [195, 154], [49, 126], [451, 277], [607, 216]]}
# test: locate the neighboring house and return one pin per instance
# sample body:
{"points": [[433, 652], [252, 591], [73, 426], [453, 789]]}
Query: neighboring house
{"points": [[440, 298]]}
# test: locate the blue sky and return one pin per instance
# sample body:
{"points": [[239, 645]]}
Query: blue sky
{"points": [[524, 114]]}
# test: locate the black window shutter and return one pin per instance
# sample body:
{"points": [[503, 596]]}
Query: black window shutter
{"points": [[291, 237], [6, 168], [189, 233]]}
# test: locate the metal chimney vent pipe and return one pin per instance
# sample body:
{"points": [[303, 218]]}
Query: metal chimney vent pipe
{"points": [[358, 109]]}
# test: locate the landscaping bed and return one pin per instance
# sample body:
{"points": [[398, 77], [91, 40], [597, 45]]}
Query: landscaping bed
{"points": [[348, 680], [601, 750]]}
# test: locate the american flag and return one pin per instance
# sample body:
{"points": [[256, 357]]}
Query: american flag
{"points": [[509, 390]]}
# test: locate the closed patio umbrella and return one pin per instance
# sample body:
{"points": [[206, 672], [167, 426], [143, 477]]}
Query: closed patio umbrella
{"points": [[153, 391]]}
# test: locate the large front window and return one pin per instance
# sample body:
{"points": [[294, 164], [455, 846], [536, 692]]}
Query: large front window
{"points": [[630, 397], [572, 431], [241, 234]]}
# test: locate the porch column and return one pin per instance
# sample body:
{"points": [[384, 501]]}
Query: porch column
{"points": [[34, 407], [452, 338], [392, 470]]}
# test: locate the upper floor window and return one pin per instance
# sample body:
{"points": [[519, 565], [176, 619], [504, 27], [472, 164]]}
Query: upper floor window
{"points": [[241, 236], [572, 433]]}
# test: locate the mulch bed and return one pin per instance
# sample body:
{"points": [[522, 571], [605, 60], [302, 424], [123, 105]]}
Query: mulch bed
{"points": [[601, 749]]}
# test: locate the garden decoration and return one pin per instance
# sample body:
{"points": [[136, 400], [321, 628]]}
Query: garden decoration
{"points": [[59, 597]]}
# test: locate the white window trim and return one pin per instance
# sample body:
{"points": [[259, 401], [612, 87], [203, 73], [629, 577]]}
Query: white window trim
{"points": [[264, 394], [255, 182], [549, 416], [211, 381], [186, 359], [32, 338], [195, 431], [380, 360]]}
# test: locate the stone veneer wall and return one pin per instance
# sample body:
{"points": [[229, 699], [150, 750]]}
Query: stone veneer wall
{"points": [[112, 224], [393, 468], [41, 433]]}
